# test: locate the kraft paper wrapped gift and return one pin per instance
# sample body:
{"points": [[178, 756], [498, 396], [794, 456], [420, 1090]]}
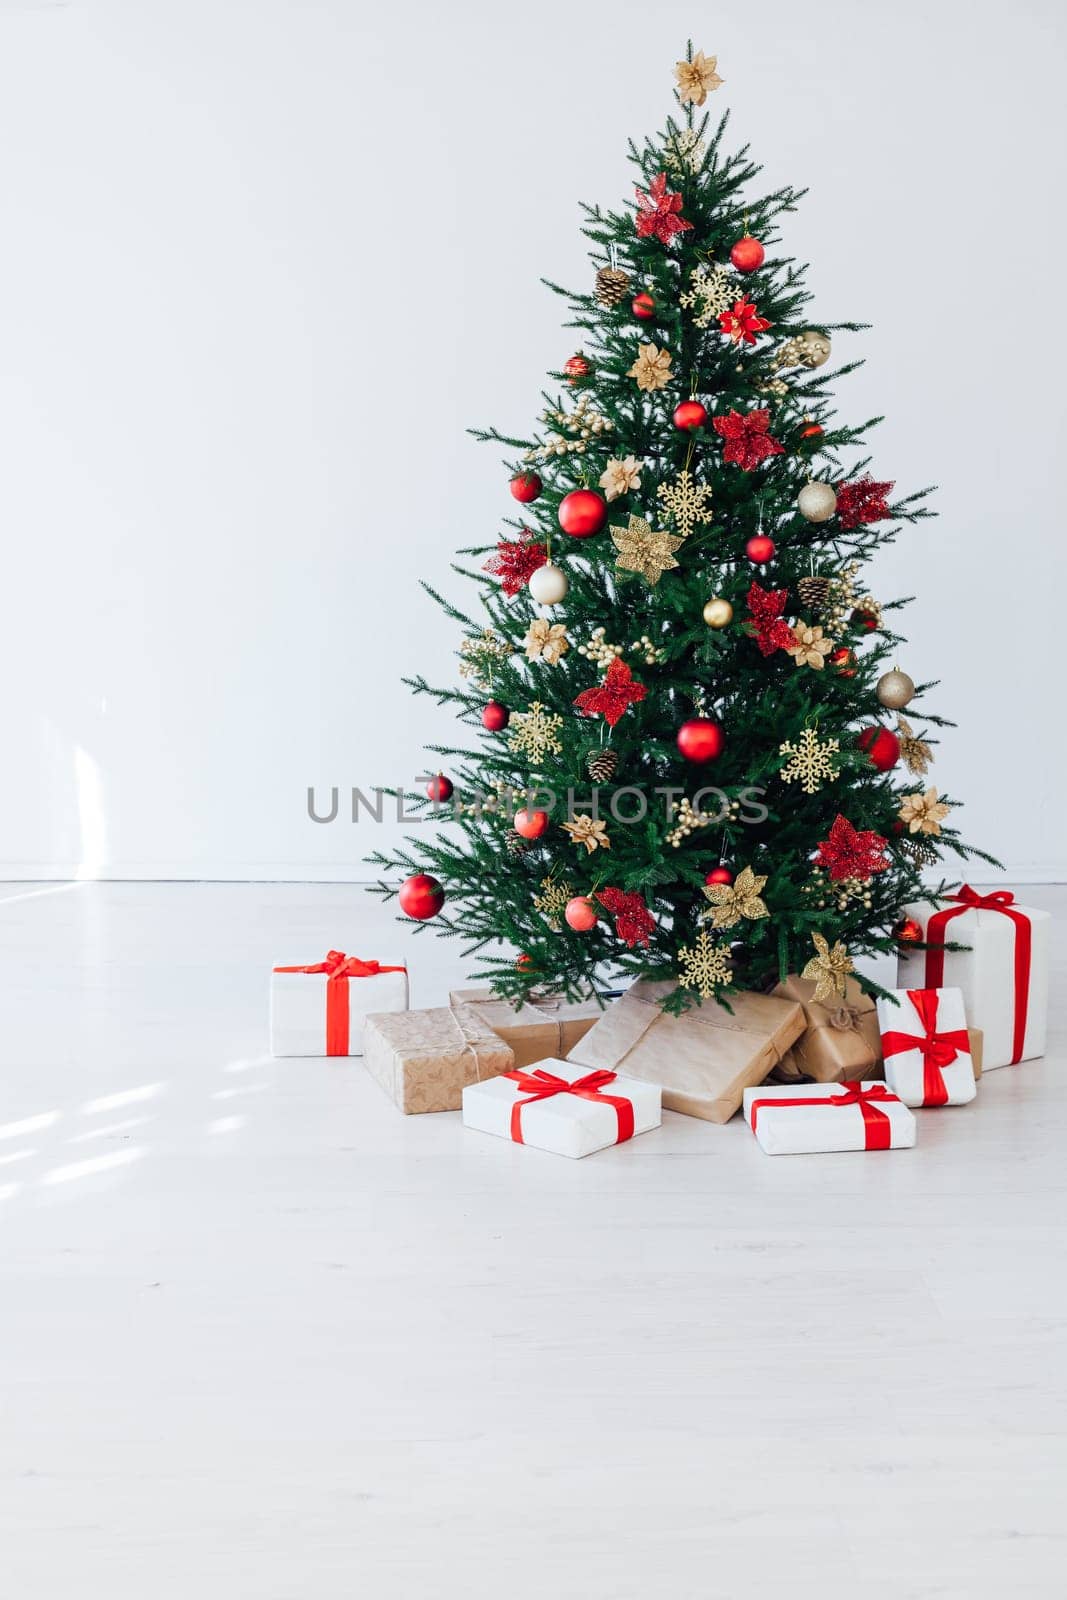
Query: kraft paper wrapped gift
{"points": [[840, 1042], [926, 1049], [560, 1107], [425, 1059], [1003, 976], [704, 1059], [807, 1118], [545, 1027], [318, 1010]]}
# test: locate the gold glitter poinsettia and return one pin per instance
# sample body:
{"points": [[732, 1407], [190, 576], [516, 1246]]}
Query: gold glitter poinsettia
{"points": [[915, 752], [652, 369], [697, 78], [732, 901], [619, 477], [546, 640], [590, 831], [811, 647], [828, 969], [642, 551], [923, 813]]}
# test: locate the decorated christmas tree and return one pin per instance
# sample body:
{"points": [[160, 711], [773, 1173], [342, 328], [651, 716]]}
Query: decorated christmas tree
{"points": [[697, 756]]}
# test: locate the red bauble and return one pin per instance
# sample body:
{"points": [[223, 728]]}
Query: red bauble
{"points": [[582, 513], [524, 962], [526, 486], [747, 254], [690, 414], [495, 716], [577, 367], [864, 619], [882, 746], [908, 931], [812, 431], [440, 788], [760, 549], [530, 824], [580, 914], [643, 306], [845, 662], [421, 897], [719, 875], [700, 739]]}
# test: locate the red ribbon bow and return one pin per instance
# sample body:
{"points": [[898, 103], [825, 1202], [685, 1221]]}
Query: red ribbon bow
{"points": [[338, 969], [939, 1050], [541, 1085], [877, 1128], [969, 899]]}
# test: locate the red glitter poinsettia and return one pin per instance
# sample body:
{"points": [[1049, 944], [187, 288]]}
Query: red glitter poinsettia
{"points": [[862, 501], [657, 214], [851, 854], [610, 698], [743, 321], [747, 440], [633, 921], [767, 628], [514, 562]]}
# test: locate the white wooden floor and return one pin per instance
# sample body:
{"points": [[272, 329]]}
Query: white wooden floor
{"points": [[263, 1338]]}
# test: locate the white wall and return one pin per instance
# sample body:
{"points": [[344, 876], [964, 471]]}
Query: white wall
{"points": [[263, 262]]}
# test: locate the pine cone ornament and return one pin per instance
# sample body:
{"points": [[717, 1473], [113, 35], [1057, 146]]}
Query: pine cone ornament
{"points": [[515, 844], [923, 854], [612, 286], [814, 591], [602, 764]]}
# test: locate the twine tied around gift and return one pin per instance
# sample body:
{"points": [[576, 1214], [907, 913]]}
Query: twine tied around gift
{"points": [[541, 1001], [467, 1042], [845, 1018]]}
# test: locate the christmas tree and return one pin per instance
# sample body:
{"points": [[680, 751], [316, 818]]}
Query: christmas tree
{"points": [[694, 760]]}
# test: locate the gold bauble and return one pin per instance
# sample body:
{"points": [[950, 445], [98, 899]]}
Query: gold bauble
{"points": [[895, 689], [718, 613], [813, 348], [817, 502]]}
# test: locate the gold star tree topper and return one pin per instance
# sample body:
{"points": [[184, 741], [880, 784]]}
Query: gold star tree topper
{"points": [[642, 551], [827, 969], [733, 901], [697, 78]]}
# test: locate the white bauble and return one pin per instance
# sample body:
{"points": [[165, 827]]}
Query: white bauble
{"points": [[548, 585], [817, 502]]}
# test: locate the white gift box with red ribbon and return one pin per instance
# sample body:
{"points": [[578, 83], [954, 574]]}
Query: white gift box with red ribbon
{"points": [[925, 1047], [807, 1118], [1003, 976], [318, 1010], [562, 1107]]}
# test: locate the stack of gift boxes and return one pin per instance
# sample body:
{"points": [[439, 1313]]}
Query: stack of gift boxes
{"points": [[843, 1072]]}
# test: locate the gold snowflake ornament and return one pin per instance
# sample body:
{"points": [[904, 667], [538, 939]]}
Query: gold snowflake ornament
{"points": [[480, 655], [684, 152], [810, 762], [589, 831], [828, 968], [704, 966], [535, 733], [733, 901], [642, 551], [712, 290], [552, 901], [687, 502]]}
